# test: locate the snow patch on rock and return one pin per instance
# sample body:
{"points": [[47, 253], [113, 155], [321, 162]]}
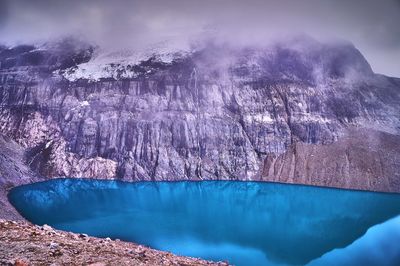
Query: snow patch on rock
{"points": [[120, 64]]}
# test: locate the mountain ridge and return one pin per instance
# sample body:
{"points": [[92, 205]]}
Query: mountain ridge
{"points": [[214, 113]]}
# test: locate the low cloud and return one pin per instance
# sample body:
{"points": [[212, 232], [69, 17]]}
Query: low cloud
{"points": [[371, 25]]}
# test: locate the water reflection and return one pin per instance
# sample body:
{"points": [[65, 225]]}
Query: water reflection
{"points": [[246, 223]]}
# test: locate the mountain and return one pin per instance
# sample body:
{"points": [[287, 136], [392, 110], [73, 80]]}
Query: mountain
{"points": [[296, 111]]}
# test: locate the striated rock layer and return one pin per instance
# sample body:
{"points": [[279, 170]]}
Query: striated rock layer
{"points": [[297, 111], [362, 159]]}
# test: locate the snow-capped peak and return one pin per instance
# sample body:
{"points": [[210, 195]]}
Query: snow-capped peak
{"points": [[107, 63]]}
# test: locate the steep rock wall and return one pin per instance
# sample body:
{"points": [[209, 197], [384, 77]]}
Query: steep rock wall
{"points": [[214, 114], [361, 159]]}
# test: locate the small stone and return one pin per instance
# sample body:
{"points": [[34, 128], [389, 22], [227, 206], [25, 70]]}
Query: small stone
{"points": [[56, 253], [46, 227], [139, 248], [140, 251], [83, 235], [53, 245], [20, 262]]}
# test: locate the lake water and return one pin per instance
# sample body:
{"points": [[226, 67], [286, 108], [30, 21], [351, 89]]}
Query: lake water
{"points": [[245, 223]]}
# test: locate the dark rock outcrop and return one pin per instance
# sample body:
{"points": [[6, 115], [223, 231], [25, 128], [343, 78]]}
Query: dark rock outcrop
{"points": [[215, 113], [13, 172]]}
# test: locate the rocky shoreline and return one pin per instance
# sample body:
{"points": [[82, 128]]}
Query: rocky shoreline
{"points": [[25, 244]]}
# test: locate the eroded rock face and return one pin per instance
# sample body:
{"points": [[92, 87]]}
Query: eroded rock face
{"points": [[214, 113], [361, 159], [47, 152], [13, 172]]}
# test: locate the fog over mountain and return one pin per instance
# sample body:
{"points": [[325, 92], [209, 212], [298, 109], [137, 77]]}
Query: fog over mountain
{"points": [[371, 25]]}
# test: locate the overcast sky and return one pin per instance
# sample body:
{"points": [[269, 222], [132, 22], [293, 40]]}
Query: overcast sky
{"points": [[373, 26]]}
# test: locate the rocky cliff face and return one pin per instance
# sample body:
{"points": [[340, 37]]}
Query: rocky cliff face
{"points": [[361, 159], [212, 113]]}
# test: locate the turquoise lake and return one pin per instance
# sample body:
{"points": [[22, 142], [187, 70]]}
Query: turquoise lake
{"points": [[245, 223]]}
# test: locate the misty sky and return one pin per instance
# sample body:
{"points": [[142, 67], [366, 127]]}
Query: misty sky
{"points": [[373, 26]]}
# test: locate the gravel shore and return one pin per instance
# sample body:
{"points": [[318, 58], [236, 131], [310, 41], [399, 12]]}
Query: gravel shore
{"points": [[22, 243]]}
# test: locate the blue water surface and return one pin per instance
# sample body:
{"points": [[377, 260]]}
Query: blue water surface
{"points": [[245, 223]]}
